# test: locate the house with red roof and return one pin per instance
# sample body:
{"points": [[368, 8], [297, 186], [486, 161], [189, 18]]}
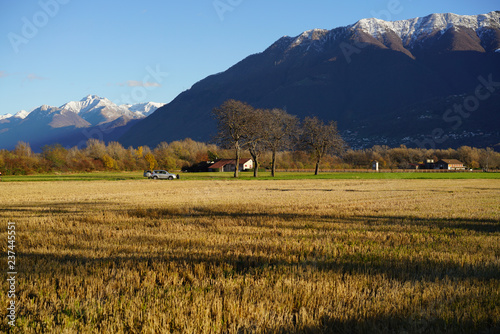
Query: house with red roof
{"points": [[228, 165]]}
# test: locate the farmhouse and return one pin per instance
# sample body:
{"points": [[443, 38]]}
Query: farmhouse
{"points": [[228, 165], [447, 164], [450, 164]]}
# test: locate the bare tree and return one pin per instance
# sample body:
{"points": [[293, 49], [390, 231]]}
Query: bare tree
{"points": [[280, 129], [23, 149], [116, 150], [95, 149], [486, 158], [233, 119], [320, 139], [256, 136]]}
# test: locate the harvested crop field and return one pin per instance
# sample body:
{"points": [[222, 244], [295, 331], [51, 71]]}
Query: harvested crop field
{"points": [[289, 256]]}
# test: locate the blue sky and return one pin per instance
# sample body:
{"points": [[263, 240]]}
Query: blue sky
{"points": [[55, 51]]}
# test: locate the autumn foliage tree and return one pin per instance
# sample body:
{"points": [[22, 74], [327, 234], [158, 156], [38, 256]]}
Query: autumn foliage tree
{"points": [[55, 155], [150, 158], [108, 161]]}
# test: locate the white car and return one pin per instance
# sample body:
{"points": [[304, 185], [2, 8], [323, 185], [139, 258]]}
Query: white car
{"points": [[160, 174]]}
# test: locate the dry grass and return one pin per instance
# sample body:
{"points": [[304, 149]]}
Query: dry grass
{"points": [[376, 256]]}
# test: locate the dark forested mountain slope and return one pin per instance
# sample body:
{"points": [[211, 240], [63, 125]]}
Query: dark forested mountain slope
{"points": [[431, 81]]}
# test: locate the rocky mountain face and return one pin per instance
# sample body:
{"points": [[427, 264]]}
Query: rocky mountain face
{"points": [[430, 82], [72, 123]]}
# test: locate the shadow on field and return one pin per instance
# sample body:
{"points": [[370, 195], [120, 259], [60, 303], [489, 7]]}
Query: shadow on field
{"points": [[254, 257], [258, 218], [54, 267], [187, 255], [477, 225], [220, 265], [44, 209], [397, 323]]}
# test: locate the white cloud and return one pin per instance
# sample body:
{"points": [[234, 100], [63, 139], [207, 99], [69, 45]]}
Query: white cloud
{"points": [[32, 77]]}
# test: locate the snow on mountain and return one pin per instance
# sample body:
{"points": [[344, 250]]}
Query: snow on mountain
{"points": [[409, 31], [93, 109], [143, 109], [308, 36], [413, 29], [71, 123], [311, 39], [87, 103], [44, 111], [22, 114], [91, 103], [98, 110]]}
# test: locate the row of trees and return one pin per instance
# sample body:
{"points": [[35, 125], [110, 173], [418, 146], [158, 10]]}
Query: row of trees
{"points": [[243, 127], [403, 157], [98, 156]]}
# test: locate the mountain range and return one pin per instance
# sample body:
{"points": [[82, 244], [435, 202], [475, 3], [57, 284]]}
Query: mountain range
{"points": [[73, 123], [432, 81]]}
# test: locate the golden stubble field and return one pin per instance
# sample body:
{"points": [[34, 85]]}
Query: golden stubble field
{"points": [[305, 256]]}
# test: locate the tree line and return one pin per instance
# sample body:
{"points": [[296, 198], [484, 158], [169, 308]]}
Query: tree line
{"points": [[99, 156], [181, 155]]}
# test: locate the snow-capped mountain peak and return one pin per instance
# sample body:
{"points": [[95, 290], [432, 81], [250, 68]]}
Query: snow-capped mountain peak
{"points": [[92, 109], [412, 29], [312, 34], [22, 114], [71, 123], [90, 97], [307, 37], [410, 32], [42, 111], [93, 103], [87, 104]]}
